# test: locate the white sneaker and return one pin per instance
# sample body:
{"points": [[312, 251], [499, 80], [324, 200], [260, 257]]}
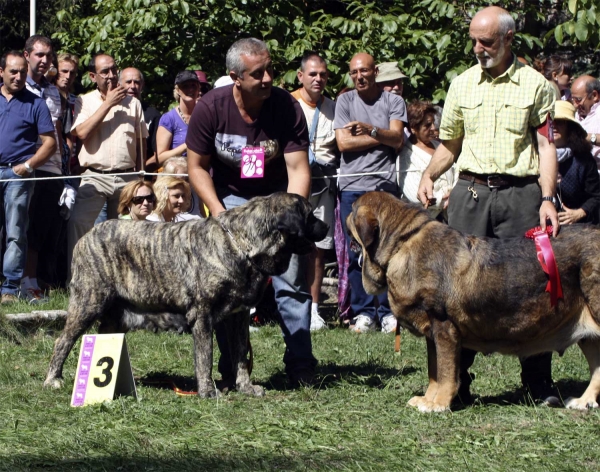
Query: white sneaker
{"points": [[316, 322], [363, 323], [388, 324]]}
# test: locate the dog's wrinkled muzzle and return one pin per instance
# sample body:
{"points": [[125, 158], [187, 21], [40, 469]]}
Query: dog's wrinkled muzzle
{"points": [[354, 246]]}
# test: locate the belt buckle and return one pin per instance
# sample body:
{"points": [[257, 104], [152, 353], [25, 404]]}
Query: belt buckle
{"points": [[495, 181]]}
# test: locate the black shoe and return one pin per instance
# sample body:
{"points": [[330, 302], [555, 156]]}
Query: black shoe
{"points": [[301, 378]]}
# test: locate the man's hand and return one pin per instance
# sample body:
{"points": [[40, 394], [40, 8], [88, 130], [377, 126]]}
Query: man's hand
{"points": [[425, 192], [20, 170], [568, 217], [115, 95], [548, 212], [358, 128]]}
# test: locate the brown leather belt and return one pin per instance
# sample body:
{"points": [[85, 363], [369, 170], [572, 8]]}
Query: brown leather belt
{"points": [[115, 171], [497, 180]]}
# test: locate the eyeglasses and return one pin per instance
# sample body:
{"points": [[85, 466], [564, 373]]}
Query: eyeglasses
{"points": [[139, 200], [577, 100], [105, 73]]}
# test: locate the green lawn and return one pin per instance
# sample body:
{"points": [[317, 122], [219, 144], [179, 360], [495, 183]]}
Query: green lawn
{"points": [[356, 419]]}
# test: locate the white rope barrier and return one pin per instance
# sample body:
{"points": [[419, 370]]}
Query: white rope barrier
{"points": [[142, 174]]}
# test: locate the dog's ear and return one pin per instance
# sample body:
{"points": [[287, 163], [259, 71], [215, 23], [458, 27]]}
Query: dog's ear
{"points": [[292, 222], [366, 226]]}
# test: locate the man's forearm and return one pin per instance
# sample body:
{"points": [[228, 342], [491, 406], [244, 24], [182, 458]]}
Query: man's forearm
{"points": [[391, 138], [443, 158], [46, 150], [205, 188], [89, 126], [548, 171], [356, 143]]}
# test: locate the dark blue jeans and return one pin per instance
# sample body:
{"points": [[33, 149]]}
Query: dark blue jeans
{"points": [[16, 196], [294, 301], [361, 302]]}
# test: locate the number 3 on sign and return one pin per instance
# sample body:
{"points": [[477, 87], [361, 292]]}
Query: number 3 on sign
{"points": [[110, 362], [103, 371]]}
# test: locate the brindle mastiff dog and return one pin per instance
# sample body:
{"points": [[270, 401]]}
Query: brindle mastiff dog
{"points": [[481, 293], [199, 272]]}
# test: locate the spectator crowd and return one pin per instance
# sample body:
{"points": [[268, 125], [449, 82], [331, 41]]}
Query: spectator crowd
{"points": [[513, 147]]}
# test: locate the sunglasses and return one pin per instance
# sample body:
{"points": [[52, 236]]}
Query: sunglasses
{"points": [[140, 200]]}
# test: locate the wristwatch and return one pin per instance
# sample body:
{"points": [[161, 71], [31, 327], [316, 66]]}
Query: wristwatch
{"points": [[28, 168], [374, 132], [548, 199], [593, 139]]}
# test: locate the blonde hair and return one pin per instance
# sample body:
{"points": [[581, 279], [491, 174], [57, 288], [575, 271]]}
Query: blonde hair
{"points": [[161, 189], [174, 163], [66, 57], [130, 191]]}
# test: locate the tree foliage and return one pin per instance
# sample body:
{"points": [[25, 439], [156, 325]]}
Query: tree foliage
{"points": [[428, 38]]}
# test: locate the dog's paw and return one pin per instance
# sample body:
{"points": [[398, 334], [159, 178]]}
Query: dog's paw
{"points": [[580, 403], [53, 383], [415, 401], [432, 407], [250, 389], [426, 406]]}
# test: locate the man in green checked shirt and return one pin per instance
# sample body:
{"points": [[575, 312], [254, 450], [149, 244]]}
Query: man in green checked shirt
{"points": [[496, 121]]}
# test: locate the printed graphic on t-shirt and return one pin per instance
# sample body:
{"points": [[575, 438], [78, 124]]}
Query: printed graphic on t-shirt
{"points": [[229, 148]]}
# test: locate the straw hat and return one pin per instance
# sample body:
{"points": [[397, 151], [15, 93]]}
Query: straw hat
{"points": [[564, 110]]}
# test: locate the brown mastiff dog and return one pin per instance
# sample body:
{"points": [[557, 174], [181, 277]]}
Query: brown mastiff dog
{"points": [[480, 293]]}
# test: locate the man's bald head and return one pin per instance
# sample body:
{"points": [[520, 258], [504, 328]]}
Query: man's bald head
{"points": [[133, 81], [363, 73], [364, 58], [496, 18]]}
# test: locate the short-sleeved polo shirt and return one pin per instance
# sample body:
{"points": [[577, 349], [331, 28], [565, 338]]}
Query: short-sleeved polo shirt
{"points": [[497, 119], [22, 120]]}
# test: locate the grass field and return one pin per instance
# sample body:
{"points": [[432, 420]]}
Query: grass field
{"points": [[355, 419]]}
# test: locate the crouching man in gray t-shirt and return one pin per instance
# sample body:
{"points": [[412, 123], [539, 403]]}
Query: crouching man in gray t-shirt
{"points": [[369, 127]]}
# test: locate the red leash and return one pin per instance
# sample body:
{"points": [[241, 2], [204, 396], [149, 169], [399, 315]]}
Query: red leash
{"points": [[545, 256]]}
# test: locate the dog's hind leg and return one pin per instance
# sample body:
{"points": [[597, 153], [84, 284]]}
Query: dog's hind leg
{"points": [[82, 313], [589, 399], [237, 327]]}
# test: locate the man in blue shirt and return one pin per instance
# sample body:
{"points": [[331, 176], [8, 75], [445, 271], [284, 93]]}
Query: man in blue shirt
{"points": [[23, 118]]}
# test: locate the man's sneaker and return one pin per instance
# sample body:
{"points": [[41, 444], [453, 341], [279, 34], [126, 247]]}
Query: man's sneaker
{"points": [[388, 324], [363, 323], [316, 322], [34, 296], [8, 298]]}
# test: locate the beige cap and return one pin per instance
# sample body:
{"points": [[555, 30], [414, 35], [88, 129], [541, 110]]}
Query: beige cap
{"points": [[389, 71]]}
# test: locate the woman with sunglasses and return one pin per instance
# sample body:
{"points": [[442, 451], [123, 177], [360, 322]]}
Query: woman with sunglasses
{"points": [[137, 200], [173, 125]]}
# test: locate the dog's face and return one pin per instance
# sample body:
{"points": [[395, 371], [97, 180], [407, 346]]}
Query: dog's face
{"points": [[273, 228], [377, 226], [297, 223]]}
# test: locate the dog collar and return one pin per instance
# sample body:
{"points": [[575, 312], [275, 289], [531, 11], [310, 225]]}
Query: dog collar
{"points": [[236, 245]]}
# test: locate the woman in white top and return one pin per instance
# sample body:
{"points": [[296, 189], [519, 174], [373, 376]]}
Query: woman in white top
{"points": [[173, 196], [416, 154]]}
